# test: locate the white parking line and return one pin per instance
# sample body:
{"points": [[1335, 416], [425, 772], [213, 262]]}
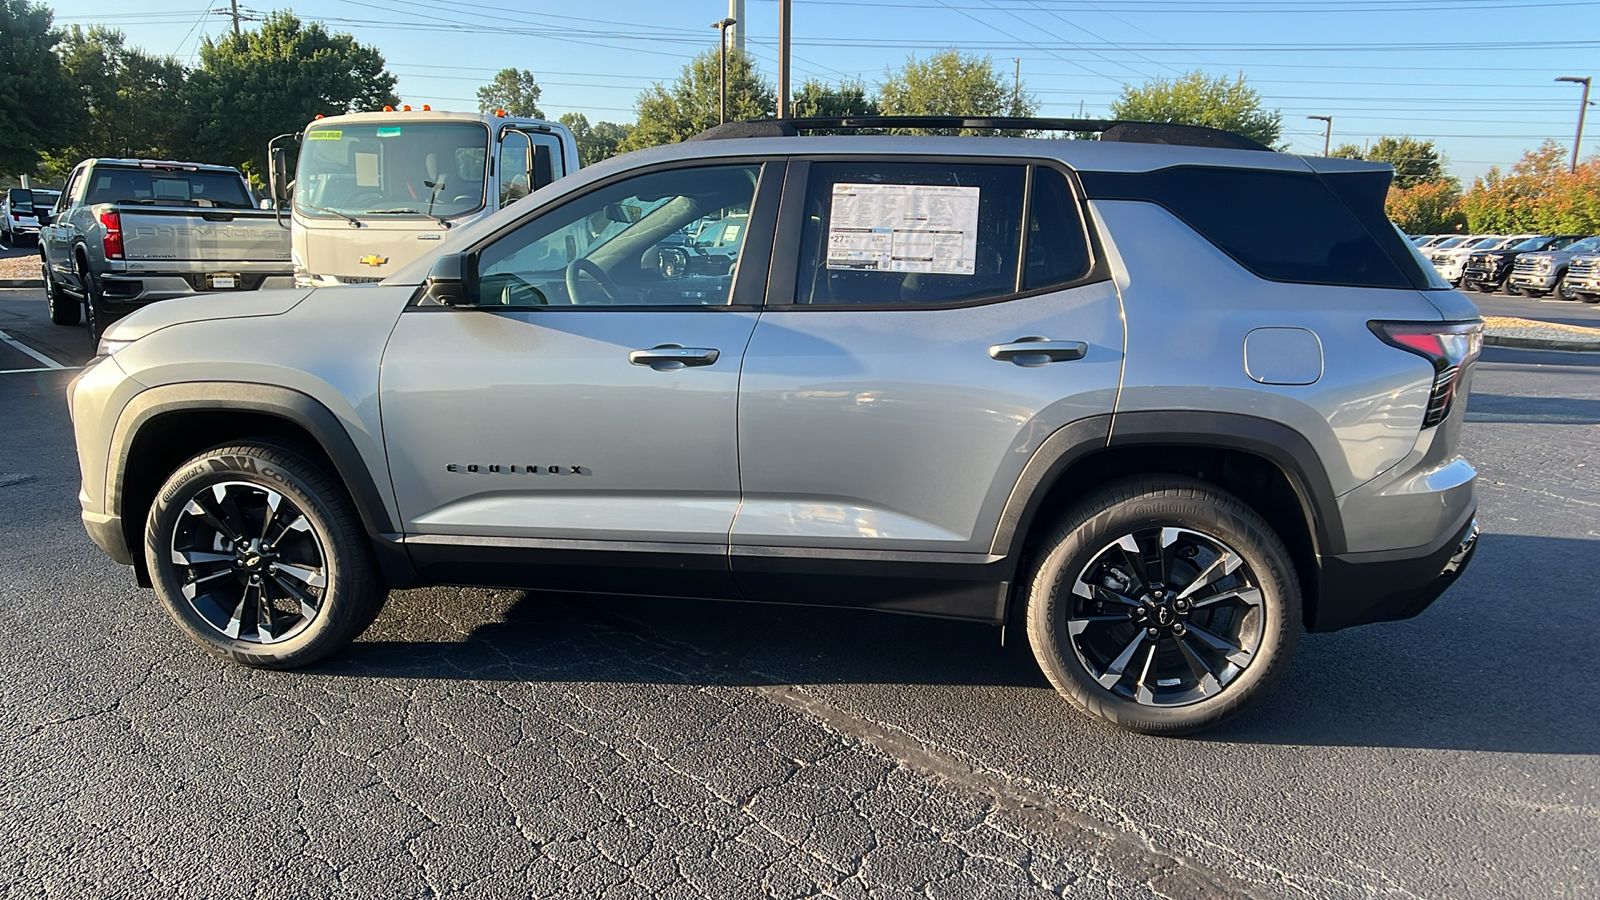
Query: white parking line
{"points": [[49, 364]]}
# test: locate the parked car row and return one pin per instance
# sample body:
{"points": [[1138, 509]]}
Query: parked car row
{"points": [[1531, 265]]}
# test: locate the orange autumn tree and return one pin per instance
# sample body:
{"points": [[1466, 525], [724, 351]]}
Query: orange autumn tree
{"points": [[1539, 195]]}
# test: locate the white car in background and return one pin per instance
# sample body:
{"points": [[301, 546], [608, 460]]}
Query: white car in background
{"points": [[18, 213], [1450, 261]]}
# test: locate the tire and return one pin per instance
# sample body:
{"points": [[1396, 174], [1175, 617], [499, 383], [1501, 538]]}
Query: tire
{"points": [[308, 564], [1563, 292], [1091, 647], [1512, 290], [63, 309], [1533, 293], [1482, 287], [93, 305]]}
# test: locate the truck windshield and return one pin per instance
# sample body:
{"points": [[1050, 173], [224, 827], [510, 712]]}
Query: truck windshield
{"points": [[168, 187], [429, 169]]}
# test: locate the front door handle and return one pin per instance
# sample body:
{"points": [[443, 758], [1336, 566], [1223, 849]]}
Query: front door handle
{"points": [[671, 357], [1038, 351]]}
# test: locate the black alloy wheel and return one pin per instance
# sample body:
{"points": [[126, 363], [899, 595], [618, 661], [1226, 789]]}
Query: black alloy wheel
{"points": [[1163, 606], [93, 305], [259, 555], [251, 565]]}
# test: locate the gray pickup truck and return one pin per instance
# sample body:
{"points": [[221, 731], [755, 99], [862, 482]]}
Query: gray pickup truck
{"points": [[128, 232]]}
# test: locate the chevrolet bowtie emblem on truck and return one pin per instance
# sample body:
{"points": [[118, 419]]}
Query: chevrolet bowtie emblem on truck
{"points": [[374, 260]]}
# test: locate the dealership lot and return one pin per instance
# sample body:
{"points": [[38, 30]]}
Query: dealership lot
{"points": [[495, 743]]}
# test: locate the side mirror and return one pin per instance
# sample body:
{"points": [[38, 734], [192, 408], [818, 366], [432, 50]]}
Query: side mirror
{"points": [[672, 262], [268, 203], [278, 175], [449, 282]]}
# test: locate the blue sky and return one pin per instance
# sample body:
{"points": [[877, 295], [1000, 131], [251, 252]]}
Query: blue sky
{"points": [[1475, 76]]}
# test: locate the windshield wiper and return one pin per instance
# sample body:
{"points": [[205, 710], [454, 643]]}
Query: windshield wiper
{"points": [[407, 211], [354, 222]]}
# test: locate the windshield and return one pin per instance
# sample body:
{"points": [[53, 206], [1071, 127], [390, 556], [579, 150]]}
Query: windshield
{"points": [[1587, 245], [45, 199], [1533, 243], [1488, 243], [1447, 243], [405, 169], [168, 187]]}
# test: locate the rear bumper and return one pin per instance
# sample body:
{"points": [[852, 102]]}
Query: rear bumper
{"points": [[106, 532], [119, 288], [1361, 588]]}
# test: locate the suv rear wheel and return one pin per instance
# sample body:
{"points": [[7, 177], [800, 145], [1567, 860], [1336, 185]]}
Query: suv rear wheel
{"points": [[1163, 605], [260, 558]]}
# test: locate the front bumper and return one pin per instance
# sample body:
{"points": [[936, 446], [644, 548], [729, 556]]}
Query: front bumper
{"points": [[1537, 282], [1361, 588]]}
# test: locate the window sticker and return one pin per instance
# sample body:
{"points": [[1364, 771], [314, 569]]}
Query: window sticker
{"points": [[325, 134], [392, 131], [903, 228]]}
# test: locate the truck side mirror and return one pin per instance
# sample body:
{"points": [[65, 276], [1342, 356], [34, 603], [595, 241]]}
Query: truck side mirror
{"points": [[543, 171], [278, 175]]}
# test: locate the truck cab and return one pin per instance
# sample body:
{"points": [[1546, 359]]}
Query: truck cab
{"points": [[374, 191]]}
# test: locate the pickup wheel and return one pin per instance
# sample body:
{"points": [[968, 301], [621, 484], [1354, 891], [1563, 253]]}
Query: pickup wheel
{"points": [[1511, 289], [63, 309], [260, 558], [1162, 605], [1562, 291], [93, 304]]}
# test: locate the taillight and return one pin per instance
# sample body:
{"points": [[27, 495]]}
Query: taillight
{"points": [[111, 223], [1450, 346]]}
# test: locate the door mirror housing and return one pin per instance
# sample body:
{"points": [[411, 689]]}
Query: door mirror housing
{"points": [[452, 281]]}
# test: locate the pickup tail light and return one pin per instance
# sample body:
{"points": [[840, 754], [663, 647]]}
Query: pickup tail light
{"points": [[1450, 346], [111, 224]]}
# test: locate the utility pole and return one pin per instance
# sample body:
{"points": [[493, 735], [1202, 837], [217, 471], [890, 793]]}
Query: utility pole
{"points": [[1583, 107], [1327, 132], [783, 59], [722, 57], [736, 13], [1016, 85], [234, 12]]}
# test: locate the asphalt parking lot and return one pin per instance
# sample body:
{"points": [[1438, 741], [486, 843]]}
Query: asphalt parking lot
{"points": [[484, 743]]}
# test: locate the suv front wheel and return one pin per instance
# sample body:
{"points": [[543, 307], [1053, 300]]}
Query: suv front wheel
{"points": [[1163, 605], [260, 557]]}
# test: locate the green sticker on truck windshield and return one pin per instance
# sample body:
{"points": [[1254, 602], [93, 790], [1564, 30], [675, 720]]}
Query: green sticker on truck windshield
{"points": [[389, 132], [326, 134]]}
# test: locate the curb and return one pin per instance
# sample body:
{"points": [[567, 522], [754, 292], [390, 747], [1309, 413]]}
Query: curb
{"points": [[21, 282], [1532, 343]]}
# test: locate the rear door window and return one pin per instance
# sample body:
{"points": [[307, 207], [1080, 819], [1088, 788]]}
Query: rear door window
{"points": [[911, 233]]}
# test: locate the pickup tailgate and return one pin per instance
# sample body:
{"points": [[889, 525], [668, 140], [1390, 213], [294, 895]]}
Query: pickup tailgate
{"points": [[195, 240]]}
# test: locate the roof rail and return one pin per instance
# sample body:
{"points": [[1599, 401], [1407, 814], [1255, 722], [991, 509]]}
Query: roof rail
{"points": [[1109, 129]]}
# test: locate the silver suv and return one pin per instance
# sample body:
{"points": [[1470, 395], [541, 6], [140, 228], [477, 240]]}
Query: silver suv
{"points": [[1160, 401]]}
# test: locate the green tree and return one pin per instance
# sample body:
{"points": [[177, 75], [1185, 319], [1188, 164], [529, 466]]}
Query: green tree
{"points": [[848, 98], [1415, 162], [601, 140], [1348, 151], [514, 90], [952, 83], [1197, 99], [670, 114], [36, 104], [132, 103], [274, 80]]}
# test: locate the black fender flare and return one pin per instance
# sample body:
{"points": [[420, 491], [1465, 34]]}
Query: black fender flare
{"points": [[1279, 444], [297, 408]]}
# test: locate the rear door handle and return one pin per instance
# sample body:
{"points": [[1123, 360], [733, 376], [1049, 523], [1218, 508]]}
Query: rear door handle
{"points": [[1038, 351], [671, 357]]}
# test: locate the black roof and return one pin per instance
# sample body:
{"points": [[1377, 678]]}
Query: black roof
{"points": [[1109, 129]]}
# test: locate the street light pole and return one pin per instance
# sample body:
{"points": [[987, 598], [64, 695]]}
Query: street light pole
{"points": [[722, 59], [1327, 132], [783, 59], [1583, 107]]}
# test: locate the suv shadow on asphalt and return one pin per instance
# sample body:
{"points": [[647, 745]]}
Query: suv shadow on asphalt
{"points": [[1502, 663]]}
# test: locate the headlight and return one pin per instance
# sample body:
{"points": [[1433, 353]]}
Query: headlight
{"points": [[1545, 266], [109, 347]]}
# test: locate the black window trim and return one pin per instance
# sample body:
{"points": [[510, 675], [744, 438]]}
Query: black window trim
{"points": [[1125, 186], [783, 280], [747, 281]]}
